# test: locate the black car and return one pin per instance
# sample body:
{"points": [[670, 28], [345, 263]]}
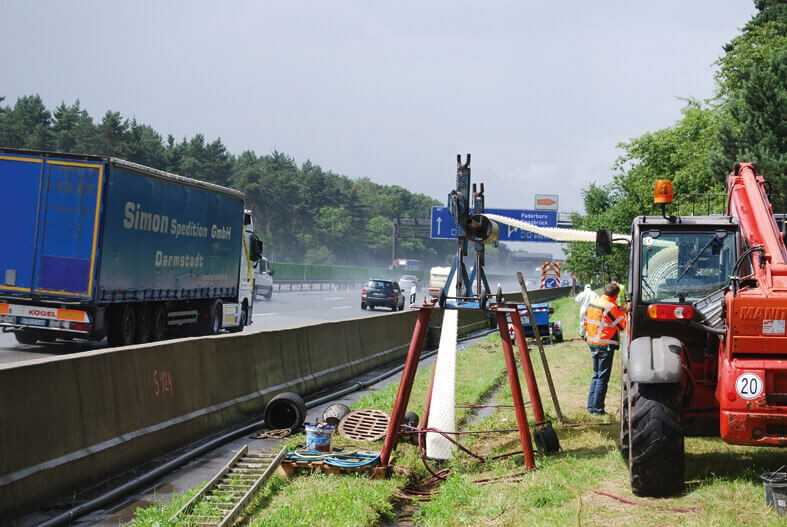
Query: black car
{"points": [[382, 293]]}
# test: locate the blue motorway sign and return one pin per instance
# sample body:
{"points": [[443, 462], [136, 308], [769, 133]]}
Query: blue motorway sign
{"points": [[551, 282], [444, 226]]}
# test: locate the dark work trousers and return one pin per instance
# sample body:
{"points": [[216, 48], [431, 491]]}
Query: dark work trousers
{"points": [[602, 368]]}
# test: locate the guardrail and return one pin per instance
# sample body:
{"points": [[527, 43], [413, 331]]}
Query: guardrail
{"points": [[72, 421], [284, 286]]}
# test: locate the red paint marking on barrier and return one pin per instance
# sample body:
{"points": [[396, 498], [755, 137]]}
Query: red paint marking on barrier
{"points": [[162, 382]]}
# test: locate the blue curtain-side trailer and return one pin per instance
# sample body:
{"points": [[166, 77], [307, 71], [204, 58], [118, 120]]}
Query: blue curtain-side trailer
{"points": [[101, 247]]}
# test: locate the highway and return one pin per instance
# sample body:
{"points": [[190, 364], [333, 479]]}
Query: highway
{"points": [[283, 311]]}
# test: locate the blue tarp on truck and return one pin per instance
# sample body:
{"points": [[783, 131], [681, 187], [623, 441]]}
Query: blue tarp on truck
{"points": [[102, 230]]}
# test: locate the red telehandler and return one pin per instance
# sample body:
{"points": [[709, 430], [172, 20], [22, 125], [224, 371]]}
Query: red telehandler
{"points": [[705, 351]]}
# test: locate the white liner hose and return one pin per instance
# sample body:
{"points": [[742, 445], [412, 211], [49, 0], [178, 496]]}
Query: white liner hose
{"points": [[442, 411]]}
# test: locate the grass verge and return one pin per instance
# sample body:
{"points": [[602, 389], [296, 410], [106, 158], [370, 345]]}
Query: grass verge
{"points": [[587, 483], [350, 501]]}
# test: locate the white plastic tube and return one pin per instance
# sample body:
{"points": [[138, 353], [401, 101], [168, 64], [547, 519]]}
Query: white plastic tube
{"points": [[442, 412]]}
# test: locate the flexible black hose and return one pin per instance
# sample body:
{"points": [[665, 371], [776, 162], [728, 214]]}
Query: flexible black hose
{"points": [[118, 492]]}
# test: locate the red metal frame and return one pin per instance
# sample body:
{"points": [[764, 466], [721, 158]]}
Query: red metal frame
{"points": [[406, 383], [516, 391], [527, 369], [408, 376]]}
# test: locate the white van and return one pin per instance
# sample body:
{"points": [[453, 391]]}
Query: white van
{"points": [[437, 279], [263, 279]]}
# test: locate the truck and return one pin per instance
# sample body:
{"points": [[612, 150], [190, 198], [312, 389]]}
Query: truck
{"points": [[97, 247], [705, 349]]}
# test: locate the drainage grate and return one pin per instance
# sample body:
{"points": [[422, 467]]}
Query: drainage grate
{"points": [[364, 425]]}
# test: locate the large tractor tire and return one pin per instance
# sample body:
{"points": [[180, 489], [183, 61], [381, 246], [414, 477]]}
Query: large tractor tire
{"points": [[623, 437], [656, 455]]}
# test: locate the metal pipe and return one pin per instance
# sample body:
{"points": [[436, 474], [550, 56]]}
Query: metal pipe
{"points": [[406, 383], [536, 333], [516, 392], [527, 368]]}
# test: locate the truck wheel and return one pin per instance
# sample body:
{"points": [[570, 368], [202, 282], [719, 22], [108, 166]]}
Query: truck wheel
{"points": [[244, 319], [122, 325], [656, 455], [142, 331], [269, 295], [212, 325], [25, 337], [158, 324]]}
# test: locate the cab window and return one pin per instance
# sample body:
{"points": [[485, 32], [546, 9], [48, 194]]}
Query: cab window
{"points": [[684, 266]]}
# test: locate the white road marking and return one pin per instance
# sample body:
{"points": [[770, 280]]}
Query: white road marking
{"points": [[265, 314], [330, 298], [342, 307]]}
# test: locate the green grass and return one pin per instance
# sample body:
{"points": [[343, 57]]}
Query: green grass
{"points": [[158, 515], [569, 488], [355, 501], [586, 484]]}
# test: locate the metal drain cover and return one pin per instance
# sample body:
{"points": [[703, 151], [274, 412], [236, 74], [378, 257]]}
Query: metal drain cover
{"points": [[364, 425]]}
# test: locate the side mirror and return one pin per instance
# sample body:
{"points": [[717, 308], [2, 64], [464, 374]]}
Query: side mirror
{"points": [[256, 248], [603, 242]]}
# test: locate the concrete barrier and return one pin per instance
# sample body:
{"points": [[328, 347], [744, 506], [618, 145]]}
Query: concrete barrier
{"points": [[68, 422]]}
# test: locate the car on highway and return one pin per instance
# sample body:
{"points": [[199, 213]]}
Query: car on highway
{"points": [[382, 293], [263, 279]]}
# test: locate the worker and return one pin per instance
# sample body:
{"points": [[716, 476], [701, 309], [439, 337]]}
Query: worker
{"points": [[622, 294], [584, 299], [603, 321]]}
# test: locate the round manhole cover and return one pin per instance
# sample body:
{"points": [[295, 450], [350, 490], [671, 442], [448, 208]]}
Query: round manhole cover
{"points": [[364, 425]]}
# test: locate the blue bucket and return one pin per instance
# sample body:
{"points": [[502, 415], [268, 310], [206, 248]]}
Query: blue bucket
{"points": [[318, 437]]}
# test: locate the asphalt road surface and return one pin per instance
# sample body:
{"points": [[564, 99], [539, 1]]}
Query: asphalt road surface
{"points": [[283, 311]]}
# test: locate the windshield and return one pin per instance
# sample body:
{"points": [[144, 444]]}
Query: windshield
{"points": [[684, 266]]}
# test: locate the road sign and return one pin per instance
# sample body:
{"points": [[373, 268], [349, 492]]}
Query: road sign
{"points": [[547, 201], [444, 226], [550, 282]]}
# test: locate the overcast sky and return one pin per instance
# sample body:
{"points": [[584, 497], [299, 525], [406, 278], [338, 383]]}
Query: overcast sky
{"points": [[539, 92]]}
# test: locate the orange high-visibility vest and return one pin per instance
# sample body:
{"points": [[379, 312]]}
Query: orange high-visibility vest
{"points": [[603, 319]]}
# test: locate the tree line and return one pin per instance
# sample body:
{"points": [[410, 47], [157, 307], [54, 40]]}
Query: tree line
{"points": [[746, 120], [303, 212]]}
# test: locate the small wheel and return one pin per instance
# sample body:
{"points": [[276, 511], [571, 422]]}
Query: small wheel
{"points": [[25, 337], [546, 439], [158, 324], [363, 305], [371, 308]]}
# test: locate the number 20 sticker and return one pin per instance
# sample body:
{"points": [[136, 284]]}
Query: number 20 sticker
{"points": [[749, 386]]}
